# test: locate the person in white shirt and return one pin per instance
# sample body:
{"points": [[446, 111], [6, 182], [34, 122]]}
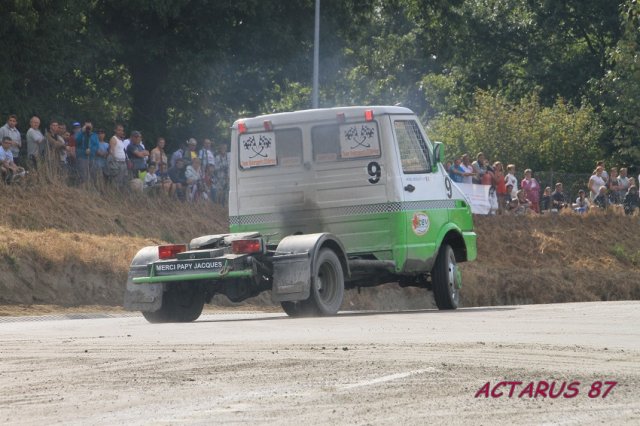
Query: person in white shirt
{"points": [[510, 179], [36, 142], [596, 181], [10, 130]]}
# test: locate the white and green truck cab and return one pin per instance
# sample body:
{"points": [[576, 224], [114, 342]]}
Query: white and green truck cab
{"points": [[320, 201]]}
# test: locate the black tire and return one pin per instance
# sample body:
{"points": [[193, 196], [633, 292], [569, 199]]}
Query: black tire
{"points": [[182, 302], [446, 279], [298, 309], [327, 289]]}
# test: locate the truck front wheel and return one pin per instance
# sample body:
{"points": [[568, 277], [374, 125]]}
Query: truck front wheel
{"points": [[327, 289], [446, 279], [182, 302]]}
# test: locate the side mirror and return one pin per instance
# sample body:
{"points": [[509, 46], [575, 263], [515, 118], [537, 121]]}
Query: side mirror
{"points": [[438, 153]]}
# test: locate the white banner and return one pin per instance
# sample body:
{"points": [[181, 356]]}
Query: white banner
{"points": [[478, 197]]}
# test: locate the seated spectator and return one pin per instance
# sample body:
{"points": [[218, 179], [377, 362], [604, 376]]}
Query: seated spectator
{"points": [[151, 182], [558, 200], [510, 203], [522, 204], [602, 200], [582, 203], [178, 179], [631, 200], [10, 171], [164, 179], [545, 201]]}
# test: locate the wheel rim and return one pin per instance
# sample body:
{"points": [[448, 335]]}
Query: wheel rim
{"points": [[327, 283], [453, 277]]}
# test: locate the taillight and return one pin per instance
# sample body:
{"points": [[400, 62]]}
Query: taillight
{"points": [[242, 128], [246, 246], [368, 115], [170, 251]]}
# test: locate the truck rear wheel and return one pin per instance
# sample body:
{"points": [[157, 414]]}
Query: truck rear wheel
{"points": [[182, 302], [327, 289], [446, 279]]}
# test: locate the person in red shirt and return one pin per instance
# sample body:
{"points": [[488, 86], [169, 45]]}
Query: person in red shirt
{"points": [[501, 187]]}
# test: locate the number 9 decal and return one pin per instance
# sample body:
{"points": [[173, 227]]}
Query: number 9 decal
{"points": [[375, 171], [447, 185]]}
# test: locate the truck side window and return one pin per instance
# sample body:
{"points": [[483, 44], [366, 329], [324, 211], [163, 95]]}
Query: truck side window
{"points": [[326, 143], [413, 148], [289, 147]]}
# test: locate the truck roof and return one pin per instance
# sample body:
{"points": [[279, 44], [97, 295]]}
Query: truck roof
{"points": [[321, 114]]}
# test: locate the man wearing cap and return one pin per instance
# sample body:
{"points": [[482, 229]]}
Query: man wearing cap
{"points": [[137, 154], [11, 131], [87, 145]]}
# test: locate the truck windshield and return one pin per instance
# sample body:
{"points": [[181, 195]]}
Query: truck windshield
{"points": [[413, 148]]}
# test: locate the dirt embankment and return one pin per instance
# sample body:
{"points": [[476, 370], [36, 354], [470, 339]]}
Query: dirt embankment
{"points": [[65, 246]]}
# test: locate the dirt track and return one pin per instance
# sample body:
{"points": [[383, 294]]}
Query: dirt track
{"points": [[385, 368]]}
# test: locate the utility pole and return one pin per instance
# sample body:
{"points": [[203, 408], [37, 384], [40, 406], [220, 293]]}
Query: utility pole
{"points": [[316, 57]]}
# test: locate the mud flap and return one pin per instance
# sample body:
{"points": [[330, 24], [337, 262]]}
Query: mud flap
{"points": [[291, 277], [142, 297]]}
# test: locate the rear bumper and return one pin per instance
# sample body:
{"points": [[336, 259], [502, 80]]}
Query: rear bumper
{"points": [[190, 277]]}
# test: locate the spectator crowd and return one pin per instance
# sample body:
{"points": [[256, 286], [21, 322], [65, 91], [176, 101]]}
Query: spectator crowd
{"points": [[83, 154], [510, 195]]}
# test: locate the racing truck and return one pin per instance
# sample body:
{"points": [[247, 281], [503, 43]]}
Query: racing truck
{"points": [[320, 201]]}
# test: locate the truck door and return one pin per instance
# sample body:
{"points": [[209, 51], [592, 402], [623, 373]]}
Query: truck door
{"points": [[424, 196]]}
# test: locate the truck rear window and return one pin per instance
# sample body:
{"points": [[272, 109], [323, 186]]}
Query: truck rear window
{"points": [[345, 141], [281, 147]]}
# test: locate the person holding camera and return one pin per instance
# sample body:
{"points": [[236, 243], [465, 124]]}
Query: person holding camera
{"points": [[87, 145]]}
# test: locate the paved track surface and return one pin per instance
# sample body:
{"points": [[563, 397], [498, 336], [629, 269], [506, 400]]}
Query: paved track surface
{"points": [[419, 367]]}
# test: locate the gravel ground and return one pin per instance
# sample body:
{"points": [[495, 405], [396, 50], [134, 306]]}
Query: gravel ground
{"points": [[415, 367]]}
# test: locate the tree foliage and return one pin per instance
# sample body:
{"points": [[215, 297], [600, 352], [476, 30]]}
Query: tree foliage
{"points": [[558, 137]]}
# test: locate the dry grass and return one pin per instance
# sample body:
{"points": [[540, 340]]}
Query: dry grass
{"points": [[69, 246]]}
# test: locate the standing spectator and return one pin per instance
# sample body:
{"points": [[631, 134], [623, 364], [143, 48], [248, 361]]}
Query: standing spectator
{"points": [[456, 172], [510, 178], [468, 169], [117, 160], [206, 154], [157, 154], [86, 147], [76, 129], [57, 147], [596, 181], [222, 177], [501, 187], [11, 131], [631, 200], [531, 188], [36, 142], [623, 183], [582, 203], [209, 181], [10, 171], [488, 177], [613, 186], [187, 152], [479, 168], [137, 154], [164, 179], [102, 154], [558, 199], [605, 176]]}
